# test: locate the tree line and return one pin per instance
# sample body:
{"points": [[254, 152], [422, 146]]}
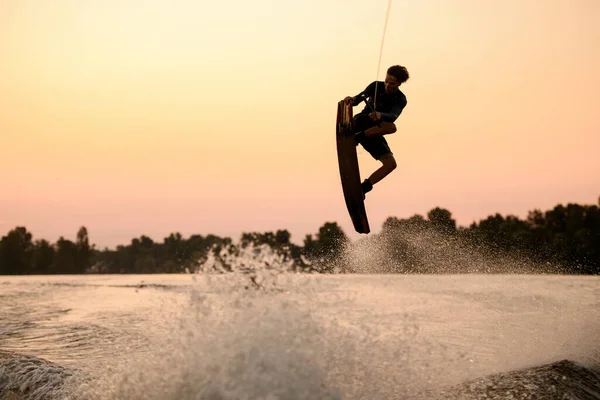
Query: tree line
{"points": [[564, 239]]}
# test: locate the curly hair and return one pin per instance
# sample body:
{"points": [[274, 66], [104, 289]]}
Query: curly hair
{"points": [[399, 72]]}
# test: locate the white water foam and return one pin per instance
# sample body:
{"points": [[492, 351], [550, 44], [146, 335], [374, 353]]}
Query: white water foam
{"points": [[251, 330]]}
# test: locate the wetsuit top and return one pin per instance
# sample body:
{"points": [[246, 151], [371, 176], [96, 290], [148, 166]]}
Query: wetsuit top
{"points": [[390, 106]]}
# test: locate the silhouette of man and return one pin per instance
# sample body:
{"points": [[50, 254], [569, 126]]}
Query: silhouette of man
{"points": [[372, 123]]}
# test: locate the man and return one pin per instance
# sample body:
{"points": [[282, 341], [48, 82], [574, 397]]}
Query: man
{"points": [[370, 125]]}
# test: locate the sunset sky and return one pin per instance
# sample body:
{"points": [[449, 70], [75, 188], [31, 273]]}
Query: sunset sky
{"points": [[136, 117]]}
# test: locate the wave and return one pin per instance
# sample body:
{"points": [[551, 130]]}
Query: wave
{"points": [[31, 378], [25, 377], [563, 379]]}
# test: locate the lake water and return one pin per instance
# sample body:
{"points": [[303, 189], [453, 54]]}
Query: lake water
{"points": [[297, 336]]}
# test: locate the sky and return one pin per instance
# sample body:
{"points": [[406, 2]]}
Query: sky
{"points": [[147, 117]]}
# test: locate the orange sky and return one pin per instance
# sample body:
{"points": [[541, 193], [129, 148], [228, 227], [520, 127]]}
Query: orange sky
{"points": [[149, 117]]}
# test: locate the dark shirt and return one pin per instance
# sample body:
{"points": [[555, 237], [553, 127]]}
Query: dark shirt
{"points": [[390, 106]]}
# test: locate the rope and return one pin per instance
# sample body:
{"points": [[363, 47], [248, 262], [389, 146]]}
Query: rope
{"points": [[387, 14]]}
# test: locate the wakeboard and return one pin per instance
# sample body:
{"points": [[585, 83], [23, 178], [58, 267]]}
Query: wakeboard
{"points": [[349, 169]]}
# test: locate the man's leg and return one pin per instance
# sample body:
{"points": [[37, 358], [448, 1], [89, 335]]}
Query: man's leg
{"points": [[380, 150], [385, 128], [388, 164]]}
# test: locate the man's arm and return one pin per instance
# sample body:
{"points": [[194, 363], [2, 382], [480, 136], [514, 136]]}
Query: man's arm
{"points": [[394, 113], [362, 96], [359, 98]]}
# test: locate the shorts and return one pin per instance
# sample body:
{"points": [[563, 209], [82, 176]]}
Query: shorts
{"points": [[377, 147]]}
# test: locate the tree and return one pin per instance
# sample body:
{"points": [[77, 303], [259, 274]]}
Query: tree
{"points": [[441, 219], [399, 256], [310, 247], [16, 250], [84, 251], [43, 257], [282, 237], [330, 244], [66, 257]]}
